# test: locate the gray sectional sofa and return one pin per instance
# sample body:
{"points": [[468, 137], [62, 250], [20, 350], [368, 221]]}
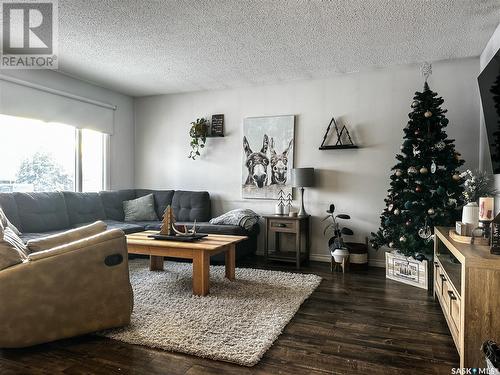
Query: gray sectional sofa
{"points": [[40, 214]]}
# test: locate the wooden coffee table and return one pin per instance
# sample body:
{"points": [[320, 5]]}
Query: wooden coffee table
{"points": [[199, 251]]}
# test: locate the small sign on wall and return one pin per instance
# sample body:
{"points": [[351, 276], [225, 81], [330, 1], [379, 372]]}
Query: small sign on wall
{"points": [[217, 126]]}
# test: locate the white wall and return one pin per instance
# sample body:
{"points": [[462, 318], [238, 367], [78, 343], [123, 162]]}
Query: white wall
{"points": [[121, 142], [373, 104]]}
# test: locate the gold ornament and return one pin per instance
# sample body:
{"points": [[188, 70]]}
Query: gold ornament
{"points": [[399, 172], [456, 177], [428, 114], [424, 170]]}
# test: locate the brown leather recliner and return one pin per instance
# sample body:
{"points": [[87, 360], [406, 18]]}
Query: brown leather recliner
{"points": [[71, 289]]}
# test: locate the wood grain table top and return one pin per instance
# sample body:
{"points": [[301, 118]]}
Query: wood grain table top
{"points": [[211, 242]]}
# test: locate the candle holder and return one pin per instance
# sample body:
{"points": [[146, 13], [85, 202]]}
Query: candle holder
{"points": [[486, 207]]}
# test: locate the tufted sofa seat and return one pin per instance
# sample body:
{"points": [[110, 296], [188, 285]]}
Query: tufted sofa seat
{"points": [[44, 213]]}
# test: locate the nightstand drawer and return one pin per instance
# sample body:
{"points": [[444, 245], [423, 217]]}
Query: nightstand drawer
{"points": [[283, 225]]}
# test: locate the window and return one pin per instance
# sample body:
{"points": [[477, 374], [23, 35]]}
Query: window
{"points": [[92, 160], [40, 156]]}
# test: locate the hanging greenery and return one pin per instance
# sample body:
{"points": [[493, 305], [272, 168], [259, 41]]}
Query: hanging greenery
{"points": [[198, 134]]}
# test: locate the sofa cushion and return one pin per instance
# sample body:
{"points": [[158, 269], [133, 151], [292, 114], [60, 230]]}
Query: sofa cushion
{"points": [[208, 228], [9, 207], [163, 198], [149, 225], [128, 228], [12, 249], [112, 202], [41, 212], [142, 208], [191, 205], [72, 235], [84, 207]]}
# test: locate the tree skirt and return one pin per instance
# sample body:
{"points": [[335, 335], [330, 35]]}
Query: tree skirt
{"points": [[237, 322]]}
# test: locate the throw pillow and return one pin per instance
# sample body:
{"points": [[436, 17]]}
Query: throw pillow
{"points": [[140, 209], [12, 248], [6, 223], [243, 217], [67, 237]]}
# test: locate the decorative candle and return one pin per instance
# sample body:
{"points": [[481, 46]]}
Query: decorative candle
{"points": [[486, 207]]}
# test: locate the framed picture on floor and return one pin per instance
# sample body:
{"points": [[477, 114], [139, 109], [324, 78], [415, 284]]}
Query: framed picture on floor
{"points": [[267, 156]]}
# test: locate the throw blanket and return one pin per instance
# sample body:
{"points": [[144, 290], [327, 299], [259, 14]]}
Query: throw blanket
{"points": [[243, 217]]}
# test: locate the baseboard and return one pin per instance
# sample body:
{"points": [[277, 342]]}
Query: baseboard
{"points": [[326, 258]]}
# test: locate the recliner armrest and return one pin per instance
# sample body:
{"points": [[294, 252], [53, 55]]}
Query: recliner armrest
{"points": [[77, 245], [69, 236]]}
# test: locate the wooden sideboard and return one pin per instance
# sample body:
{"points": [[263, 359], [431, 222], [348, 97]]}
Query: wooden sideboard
{"points": [[467, 285]]}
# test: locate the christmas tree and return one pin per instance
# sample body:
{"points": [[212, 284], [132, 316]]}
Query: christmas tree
{"points": [[426, 187]]}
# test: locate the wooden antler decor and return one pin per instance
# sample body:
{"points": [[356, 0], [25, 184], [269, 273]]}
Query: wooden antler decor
{"points": [[168, 222]]}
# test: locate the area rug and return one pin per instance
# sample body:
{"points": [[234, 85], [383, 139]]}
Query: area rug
{"points": [[237, 322]]}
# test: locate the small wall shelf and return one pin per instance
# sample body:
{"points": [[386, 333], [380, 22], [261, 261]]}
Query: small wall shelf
{"points": [[339, 144], [337, 147]]}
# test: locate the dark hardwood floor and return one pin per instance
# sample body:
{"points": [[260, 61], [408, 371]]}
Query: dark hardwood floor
{"points": [[357, 323]]}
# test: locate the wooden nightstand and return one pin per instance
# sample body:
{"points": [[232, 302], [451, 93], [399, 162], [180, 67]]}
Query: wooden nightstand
{"points": [[296, 226]]}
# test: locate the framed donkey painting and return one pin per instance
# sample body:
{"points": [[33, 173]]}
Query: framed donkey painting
{"points": [[267, 156]]}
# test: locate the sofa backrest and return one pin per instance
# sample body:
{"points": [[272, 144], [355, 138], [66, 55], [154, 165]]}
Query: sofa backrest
{"points": [[163, 198], [84, 207], [112, 202], [41, 212], [9, 207], [44, 212], [191, 205]]}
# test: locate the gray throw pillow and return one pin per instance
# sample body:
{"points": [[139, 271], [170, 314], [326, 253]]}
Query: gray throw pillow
{"points": [[12, 248], [140, 209]]}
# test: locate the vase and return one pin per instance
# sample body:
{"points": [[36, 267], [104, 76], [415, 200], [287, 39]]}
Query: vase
{"points": [[278, 210], [339, 254], [470, 214]]}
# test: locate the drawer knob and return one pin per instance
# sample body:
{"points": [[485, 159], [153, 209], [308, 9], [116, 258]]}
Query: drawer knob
{"points": [[452, 295], [279, 225], [442, 277], [436, 264]]}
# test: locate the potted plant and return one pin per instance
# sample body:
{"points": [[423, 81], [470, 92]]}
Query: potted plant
{"points": [[198, 133], [477, 185], [338, 250]]}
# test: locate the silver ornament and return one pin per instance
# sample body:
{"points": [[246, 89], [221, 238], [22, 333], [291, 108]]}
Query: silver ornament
{"points": [[424, 170], [396, 211], [412, 170], [416, 151], [402, 239], [391, 244], [428, 114], [430, 211], [414, 103], [433, 167], [440, 146], [399, 172]]}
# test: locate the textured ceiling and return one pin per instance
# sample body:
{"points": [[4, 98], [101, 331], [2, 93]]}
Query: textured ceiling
{"points": [[157, 46]]}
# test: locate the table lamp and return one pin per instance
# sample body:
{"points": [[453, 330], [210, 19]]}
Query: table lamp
{"points": [[302, 177]]}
